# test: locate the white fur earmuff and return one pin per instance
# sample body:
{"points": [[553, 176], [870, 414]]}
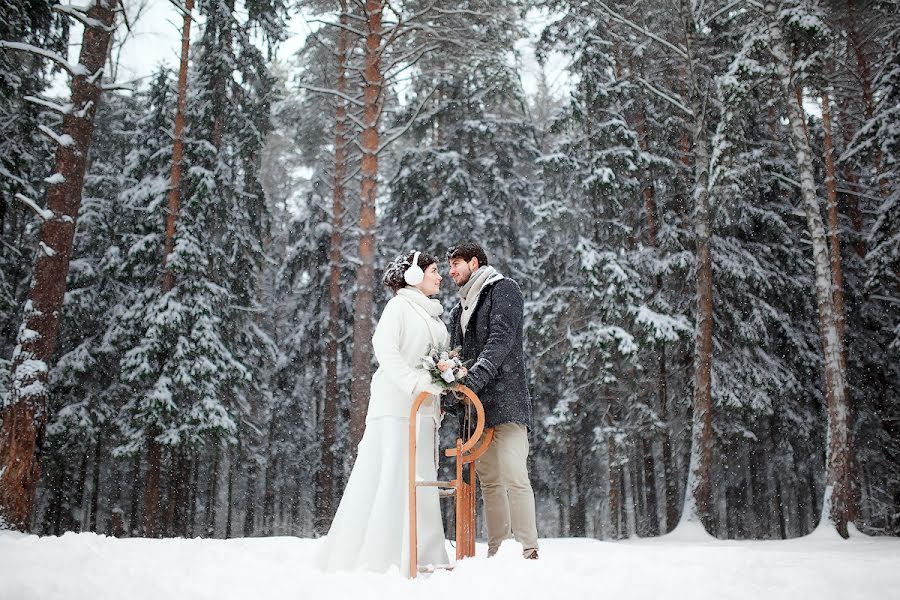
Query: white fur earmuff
{"points": [[414, 274]]}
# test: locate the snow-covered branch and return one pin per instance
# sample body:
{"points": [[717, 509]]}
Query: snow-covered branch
{"points": [[350, 117], [82, 112], [117, 86], [615, 16], [409, 123], [78, 15], [347, 28], [341, 95], [63, 140], [60, 108], [74, 68], [182, 10], [786, 179], [407, 61], [721, 11], [47, 250], [667, 97], [43, 213]]}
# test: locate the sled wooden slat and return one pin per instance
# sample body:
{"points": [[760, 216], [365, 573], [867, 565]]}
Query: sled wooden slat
{"points": [[465, 453]]}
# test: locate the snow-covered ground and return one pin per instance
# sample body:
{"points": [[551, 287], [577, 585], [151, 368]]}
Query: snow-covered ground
{"points": [[92, 567]]}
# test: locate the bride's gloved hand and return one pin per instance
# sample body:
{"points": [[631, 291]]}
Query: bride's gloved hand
{"points": [[426, 384], [434, 389]]}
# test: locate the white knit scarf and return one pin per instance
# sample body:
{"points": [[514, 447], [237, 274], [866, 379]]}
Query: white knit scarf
{"points": [[469, 293], [429, 305]]}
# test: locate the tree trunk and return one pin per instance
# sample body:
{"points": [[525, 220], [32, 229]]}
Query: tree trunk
{"points": [[670, 476], [834, 228], [54, 512], [628, 499], [852, 199], [613, 497], [651, 211], [177, 492], [837, 273], [213, 492], [79, 487], [294, 510], [191, 520], [151, 489], [365, 272], [864, 74], [168, 526], [134, 505], [24, 416], [838, 489], [652, 509], [269, 481], [151, 496], [777, 501], [325, 473], [697, 494], [250, 498], [577, 513], [95, 481], [233, 465], [177, 148]]}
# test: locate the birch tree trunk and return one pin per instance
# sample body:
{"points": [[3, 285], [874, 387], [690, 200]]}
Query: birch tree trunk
{"points": [[838, 489], [24, 415], [361, 363], [697, 494]]}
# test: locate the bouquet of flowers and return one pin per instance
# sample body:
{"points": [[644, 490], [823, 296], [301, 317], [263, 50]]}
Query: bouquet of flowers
{"points": [[445, 366]]}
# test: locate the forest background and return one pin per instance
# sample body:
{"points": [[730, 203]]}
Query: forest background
{"points": [[703, 219]]}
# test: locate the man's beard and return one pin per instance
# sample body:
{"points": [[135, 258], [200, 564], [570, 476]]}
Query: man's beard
{"points": [[466, 280]]}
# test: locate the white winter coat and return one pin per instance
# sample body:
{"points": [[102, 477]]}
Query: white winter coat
{"points": [[408, 328]]}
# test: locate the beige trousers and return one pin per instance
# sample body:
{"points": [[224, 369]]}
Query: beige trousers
{"points": [[506, 489]]}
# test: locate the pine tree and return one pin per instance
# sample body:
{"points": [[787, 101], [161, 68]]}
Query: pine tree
{"points": [[24, 412], [24, 152]]}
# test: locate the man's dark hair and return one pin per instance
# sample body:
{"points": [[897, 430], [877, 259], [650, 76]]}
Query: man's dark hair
{"points": [[468, 250]]}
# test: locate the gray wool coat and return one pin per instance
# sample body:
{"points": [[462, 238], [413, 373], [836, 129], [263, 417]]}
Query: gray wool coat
{"points": [[494, 345]]}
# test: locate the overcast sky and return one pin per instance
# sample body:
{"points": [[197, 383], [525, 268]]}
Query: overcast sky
{"points": [[155, 39]]}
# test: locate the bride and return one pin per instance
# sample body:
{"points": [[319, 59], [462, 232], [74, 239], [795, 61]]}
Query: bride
{"points": [[370, 530]]}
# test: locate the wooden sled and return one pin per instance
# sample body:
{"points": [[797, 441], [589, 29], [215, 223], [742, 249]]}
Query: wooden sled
{"points": [[465, 453]]}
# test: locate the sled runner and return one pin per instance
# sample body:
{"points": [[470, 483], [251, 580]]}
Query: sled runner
{"points": [[462, 488]]}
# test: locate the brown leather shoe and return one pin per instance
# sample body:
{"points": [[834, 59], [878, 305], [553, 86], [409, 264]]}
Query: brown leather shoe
{"points": [[531, 554]]}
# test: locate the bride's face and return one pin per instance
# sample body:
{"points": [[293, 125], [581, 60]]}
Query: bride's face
{"points": [[431, 285]]}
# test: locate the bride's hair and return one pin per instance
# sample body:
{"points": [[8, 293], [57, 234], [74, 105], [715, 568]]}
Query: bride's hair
{"points": [[393, 273]]}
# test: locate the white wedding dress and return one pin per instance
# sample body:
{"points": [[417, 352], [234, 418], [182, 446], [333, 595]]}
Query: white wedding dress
{"points": [[370, 530]]}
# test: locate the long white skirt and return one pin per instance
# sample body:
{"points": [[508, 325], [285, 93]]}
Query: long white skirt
{"points": [[370, 530]]}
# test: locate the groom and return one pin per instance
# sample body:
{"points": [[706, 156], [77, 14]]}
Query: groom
{"points": [[487, 324]]}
